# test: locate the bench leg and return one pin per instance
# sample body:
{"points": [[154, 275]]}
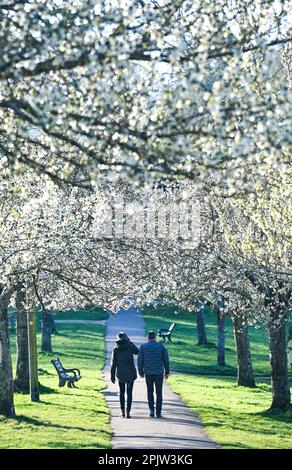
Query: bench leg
{"points": [[71, 384]]}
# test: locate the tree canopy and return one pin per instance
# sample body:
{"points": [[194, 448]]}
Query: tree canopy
{"points": [[144, 88]]}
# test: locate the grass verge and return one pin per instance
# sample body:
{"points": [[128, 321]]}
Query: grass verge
{"points": [[65, 418], [235, 417], [96, 315]]}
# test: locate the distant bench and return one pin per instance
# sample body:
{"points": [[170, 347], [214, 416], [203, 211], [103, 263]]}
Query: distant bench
{"points": [[164, 333], [63, 374]]}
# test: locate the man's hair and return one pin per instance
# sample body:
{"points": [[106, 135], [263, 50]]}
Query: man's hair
{"points": [[151, 334]]}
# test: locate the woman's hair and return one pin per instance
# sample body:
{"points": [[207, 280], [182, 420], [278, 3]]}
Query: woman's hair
{"points": [[122, 335]]}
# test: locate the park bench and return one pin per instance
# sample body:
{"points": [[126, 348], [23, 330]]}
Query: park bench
{"points": [[164, 333], [63, 374]]}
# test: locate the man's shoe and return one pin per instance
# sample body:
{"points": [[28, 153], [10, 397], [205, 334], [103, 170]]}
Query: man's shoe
{"points": [[128, 415], [151, 414], [159, 416], [122, 415]]}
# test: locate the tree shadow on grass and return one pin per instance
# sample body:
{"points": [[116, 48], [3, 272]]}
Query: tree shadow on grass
{"points": [[70, 407], [45, 372], [85, 395], [79, 445], [74, 355], [39, 423], [236, 445], [277, 415], [205, 370], [55, 353], [178, 342], [48, 390], [246, 426], [209, 345]]}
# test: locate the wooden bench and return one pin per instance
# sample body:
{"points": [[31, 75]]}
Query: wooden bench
{"points": [[164, 333], [63, 374]]}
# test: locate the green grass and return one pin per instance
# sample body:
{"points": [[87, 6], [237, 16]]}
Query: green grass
{"points": [[96, 315], [65, 418], [202, 360], [235, 417]]}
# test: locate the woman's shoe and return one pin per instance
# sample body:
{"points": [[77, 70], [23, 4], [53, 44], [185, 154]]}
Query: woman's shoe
{"points": [[128, 415], [122, 415]]}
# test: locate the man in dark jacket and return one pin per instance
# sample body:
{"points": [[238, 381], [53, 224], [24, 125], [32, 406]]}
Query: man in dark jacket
{"points": [[153, 363], [123, 367]]}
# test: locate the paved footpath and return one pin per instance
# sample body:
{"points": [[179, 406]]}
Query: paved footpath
{"points": [[179, 429]]}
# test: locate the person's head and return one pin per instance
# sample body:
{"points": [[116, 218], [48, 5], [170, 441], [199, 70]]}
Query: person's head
{"points": [[151, 335], [121, 336]]}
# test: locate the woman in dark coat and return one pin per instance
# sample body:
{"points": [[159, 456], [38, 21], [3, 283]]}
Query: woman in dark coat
{"points": [[123, 367]]}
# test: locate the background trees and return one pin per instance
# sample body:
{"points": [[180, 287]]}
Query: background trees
{"points": [[53, 240], [153, 103], [256, 230]]}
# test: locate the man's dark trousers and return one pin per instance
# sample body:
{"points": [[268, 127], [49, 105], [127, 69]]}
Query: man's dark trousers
{"points": [[156, 380]]}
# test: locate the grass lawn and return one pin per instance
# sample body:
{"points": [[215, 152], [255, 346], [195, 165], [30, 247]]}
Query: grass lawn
{"points": [[235, 417], [65, 418], [96, 315]]}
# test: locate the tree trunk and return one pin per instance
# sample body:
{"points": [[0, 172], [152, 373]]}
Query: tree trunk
{"points": [[245, 376], [278, 360], [33, 354], [21, 381], [220, 338], [54, 329], [47, 325], [201, 329], [6, 374]]}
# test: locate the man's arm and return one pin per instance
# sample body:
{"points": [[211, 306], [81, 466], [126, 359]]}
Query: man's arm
{"points": [[165, 359], [141, 361], [113, 367]]}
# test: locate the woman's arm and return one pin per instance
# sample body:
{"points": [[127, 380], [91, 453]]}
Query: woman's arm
{"points": [[135, 349], [113, 366]]}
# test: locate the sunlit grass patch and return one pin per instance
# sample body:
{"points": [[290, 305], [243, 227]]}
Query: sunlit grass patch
{"points": [[65, 418], [235, 417]]}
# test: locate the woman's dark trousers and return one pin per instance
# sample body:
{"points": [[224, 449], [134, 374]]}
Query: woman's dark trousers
{"points": [[123, 386], [156, 380]]}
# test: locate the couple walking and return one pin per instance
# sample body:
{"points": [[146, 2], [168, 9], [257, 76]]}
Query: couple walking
{"points": [[153, 364]]}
